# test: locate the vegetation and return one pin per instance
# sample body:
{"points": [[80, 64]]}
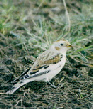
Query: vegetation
{"points": [[27, 28]]}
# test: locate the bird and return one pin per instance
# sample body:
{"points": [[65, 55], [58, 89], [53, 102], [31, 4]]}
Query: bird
{"points": [[47, 65]]}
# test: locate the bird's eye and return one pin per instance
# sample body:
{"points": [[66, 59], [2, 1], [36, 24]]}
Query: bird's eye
{"points": [[61, 44]]}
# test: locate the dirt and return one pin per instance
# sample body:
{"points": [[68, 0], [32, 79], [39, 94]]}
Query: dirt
{"points": [[74, 83]]}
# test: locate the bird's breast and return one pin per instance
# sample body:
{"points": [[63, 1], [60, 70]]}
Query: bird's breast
{"points": [[58, 65], [56, 68]]}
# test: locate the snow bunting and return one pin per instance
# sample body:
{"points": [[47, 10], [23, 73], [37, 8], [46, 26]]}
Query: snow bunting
{"points": [[47, 65]]}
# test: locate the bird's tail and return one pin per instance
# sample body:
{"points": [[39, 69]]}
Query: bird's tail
{"points": [[17, 86], [13, 89]]}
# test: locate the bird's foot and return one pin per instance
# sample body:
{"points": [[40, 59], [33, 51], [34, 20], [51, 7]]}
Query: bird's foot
{"points": [[52, 85]]}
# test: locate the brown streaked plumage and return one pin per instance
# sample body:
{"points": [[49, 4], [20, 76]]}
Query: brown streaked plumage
{"points": [[57, 48], [47, 65], [46, 58]]}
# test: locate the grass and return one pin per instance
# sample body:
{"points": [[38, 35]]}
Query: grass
{"points": [[24, 35], [40, 34]]}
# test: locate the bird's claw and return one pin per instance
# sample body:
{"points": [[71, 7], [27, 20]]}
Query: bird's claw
{"points": [[52, 85]]}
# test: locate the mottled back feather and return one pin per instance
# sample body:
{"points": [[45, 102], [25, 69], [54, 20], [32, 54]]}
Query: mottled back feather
{"points": [[42, 62], [44, 59]]}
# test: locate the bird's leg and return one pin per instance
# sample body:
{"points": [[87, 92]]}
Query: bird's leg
{"points": [[52, 85], [49, 83]]}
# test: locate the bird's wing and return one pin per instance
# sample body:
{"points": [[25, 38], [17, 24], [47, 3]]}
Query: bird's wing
{"points": [[42, 62], [40, 67], [44, 59]]}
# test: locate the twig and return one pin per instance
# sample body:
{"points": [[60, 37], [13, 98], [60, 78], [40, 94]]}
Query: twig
{"points": [[68, 18]]}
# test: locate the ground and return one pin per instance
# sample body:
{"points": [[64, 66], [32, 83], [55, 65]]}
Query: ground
{"points": [[27, 28]]}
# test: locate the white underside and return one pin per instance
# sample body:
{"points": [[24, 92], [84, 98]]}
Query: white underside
{"points": [[54, 70]]}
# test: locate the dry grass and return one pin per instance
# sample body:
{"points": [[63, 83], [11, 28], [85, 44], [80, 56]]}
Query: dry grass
{"points": [[27, 28]]}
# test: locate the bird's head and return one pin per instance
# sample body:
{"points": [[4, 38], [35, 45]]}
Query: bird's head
{"points": [[61, 46]]}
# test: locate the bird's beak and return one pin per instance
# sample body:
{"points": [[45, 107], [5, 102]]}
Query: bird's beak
{"points": [[68, 45]]}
